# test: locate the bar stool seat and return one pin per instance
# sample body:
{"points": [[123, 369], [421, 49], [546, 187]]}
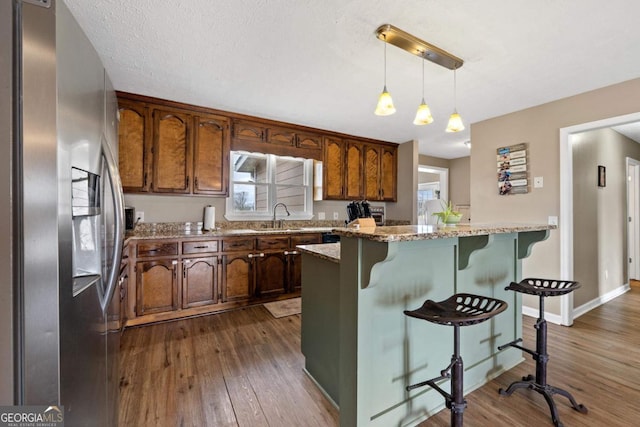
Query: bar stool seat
{"points": [[458, 310], [542, 288]]}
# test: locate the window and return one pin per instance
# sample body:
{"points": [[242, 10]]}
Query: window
{"points": [[259, 181]]}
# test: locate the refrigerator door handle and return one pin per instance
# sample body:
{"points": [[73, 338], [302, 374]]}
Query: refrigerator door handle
{"points": [[118, 205]]}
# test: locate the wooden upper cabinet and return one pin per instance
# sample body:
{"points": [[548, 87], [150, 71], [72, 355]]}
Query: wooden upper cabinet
{"points": [[171, 152], [211, 155], [354, 171], [333, 169], [134, 147], [248, 131], [389, 175], [380, 172], [281, 136], [372, 172], [309, 140]]}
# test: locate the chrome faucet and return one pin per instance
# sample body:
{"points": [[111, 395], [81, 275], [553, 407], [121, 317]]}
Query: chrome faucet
{"points": [[278, 223]]}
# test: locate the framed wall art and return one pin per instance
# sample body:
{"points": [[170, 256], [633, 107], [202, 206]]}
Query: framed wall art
{"points": [[513, 174]]}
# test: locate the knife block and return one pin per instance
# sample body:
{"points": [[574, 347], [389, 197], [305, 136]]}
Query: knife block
{"points": [[362, 223]]}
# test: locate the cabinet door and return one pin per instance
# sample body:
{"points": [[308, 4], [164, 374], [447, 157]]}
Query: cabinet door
{"points": [[248, 131], [372, 173], [156, 286], [271, 274], [211, 155], [237, 277], [134, 146], [199, 281], [171, 152], [389, 174], [353, 178], [309, 140], [333, 169], [295, 259], [281, 136]]}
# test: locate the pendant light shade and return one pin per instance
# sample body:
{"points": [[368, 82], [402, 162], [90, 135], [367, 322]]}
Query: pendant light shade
{"points": [[423, 115], [455, 121], [385, 103]]}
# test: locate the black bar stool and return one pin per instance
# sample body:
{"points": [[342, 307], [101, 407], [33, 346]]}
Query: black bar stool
{"points": [[458, 310], [542, 288]]}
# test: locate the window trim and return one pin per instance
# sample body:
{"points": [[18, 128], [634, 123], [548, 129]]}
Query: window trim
{"points": [[232, 215]]}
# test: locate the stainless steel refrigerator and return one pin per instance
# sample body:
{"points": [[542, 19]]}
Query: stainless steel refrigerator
{"points": [[61, 216]]}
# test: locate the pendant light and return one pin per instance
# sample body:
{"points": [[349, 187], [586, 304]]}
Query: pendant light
{"points": [[423, 115], [455, 121], [385, 103]]}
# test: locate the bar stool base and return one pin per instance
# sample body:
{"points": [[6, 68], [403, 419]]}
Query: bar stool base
{"points": [[547, 391]]}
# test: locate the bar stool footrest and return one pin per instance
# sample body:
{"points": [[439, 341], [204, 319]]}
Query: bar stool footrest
{"points": [[514, 344]]}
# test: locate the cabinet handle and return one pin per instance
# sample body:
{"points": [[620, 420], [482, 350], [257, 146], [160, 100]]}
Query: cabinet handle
{"points": [[187, 185], [250, 256], [291, 252], [144, 184], [261, 255], [187, 261], [286, 253], [174, 262], [200, 247], [195, 182]]}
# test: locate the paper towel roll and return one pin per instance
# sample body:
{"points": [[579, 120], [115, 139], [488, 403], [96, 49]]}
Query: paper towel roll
{"points": [[209, 218]]}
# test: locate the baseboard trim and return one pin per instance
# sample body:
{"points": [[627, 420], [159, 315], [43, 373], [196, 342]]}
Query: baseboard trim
{"points": [[534, 312], [579, 311], [584, 308]]}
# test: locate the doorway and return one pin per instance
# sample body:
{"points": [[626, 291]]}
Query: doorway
{"points": [[433, 184], [633, 214], [566, 202]]}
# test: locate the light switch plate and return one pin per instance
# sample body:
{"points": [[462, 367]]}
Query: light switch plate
{"points": [[538, 182], [321, 215], [335, 215], [553, 220]]}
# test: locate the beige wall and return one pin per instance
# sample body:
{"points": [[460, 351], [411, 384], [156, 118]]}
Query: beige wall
{"points": [[539, 126], [406, 208], [600, 213], [460, 181]]}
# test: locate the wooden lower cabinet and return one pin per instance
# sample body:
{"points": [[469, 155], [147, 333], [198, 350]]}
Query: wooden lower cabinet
{"points": [[237, 277], [156, 286], [199, 281], [271, 274], [174, 278]]}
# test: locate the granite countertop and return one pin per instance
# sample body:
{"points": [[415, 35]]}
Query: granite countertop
{"points": [[426, 232], [328, 251]]}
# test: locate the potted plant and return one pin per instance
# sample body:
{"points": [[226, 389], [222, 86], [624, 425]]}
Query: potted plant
{"points": [[448, 216]]}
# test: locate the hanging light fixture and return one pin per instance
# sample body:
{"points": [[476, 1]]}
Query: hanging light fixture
{"points": [[423, 115], [426, 51], [385, 103], [455, 121]]}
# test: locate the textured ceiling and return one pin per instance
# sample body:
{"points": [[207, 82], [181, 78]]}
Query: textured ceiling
{"points": [[318, 63]]}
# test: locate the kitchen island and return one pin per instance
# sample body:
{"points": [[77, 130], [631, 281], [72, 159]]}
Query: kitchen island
{"points": [[360, 348]]}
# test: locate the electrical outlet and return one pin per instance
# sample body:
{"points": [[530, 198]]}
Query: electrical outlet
{"points": [[553, 220], [139, 216], [335, 215], [321, 215]]}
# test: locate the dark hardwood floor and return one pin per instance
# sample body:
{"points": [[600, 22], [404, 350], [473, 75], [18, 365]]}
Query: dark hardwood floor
{"points": [[245, 368]]}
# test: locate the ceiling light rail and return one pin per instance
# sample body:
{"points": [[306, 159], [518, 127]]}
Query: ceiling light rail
{"points": [[415, 46]]}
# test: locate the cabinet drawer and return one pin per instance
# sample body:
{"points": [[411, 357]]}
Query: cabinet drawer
{"points": [[200, 247], [157, 249], [229, 245], [273, 242], [305, 239]]}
